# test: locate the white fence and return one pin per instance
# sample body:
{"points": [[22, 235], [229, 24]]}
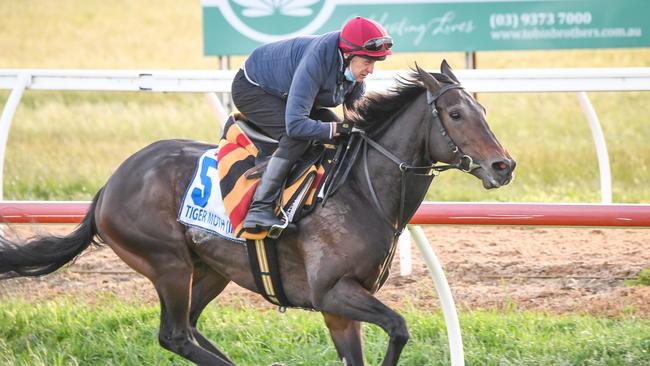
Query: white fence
{"points": [[492, 81], [522, 80]]}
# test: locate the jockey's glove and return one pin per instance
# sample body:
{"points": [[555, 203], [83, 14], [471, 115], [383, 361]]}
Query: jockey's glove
{"points": [[343, 128]]}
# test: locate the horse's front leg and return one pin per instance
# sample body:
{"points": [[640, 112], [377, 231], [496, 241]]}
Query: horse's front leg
{"points": [[346, 335], [348, 299]]}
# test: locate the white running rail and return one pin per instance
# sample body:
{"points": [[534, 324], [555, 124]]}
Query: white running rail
{"points": [[491, 81]]}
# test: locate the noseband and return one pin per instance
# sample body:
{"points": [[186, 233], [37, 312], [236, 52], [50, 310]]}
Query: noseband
{"points": [[464, 163]]}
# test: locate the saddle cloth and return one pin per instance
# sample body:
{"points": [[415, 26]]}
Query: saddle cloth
{"points": [[202, 204], [237, 155]]}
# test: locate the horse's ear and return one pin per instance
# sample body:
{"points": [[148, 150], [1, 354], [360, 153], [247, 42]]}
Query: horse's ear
{"points": [[446, 69], [429, 81]]}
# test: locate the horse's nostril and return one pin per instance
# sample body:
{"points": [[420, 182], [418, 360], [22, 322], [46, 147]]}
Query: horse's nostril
{"points": [[500, 166]]}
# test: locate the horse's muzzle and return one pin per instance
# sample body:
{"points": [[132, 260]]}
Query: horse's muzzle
{"points": [[497, 173]]}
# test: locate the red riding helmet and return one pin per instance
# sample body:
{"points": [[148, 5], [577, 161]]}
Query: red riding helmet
{"points": [[365, 37]]}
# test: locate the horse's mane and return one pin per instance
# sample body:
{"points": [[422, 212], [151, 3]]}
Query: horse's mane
{"points": [[374, 110]]}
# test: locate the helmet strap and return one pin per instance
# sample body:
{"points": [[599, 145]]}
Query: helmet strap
{"points": [[347, 58]]}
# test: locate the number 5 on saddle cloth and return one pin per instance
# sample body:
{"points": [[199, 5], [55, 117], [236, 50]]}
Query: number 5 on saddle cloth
{"points": [[240, 168]]}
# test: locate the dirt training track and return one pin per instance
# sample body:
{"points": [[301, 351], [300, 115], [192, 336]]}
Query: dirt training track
{"points": [[558, 270]]}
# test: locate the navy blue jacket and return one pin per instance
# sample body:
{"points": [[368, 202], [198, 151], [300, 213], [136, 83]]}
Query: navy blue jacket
{"points": [[307, 72]]}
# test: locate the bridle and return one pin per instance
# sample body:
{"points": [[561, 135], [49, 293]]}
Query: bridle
{"points": [[335, 180], [462, 157], [464, 162]]}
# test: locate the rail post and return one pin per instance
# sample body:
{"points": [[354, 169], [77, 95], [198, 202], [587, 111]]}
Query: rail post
{"points": [[444, 293], [601, 148], [7, 116]]}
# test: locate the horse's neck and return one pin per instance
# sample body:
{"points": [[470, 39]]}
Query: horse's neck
{"points": [[406, 139]]}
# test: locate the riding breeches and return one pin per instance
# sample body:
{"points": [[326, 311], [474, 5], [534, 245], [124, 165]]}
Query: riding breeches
{"points": [[267, 112]]}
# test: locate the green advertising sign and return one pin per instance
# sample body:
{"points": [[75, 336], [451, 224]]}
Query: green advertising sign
{"points": [[236, 27]]}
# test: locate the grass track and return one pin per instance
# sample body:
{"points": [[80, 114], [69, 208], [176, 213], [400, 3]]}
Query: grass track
{"points": [[63, 332]]}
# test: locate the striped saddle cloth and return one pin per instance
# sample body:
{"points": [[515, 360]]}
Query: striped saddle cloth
{"points": [[239, 177]]}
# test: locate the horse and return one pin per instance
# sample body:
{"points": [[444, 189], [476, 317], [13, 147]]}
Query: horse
{"points": [[337, 259]]}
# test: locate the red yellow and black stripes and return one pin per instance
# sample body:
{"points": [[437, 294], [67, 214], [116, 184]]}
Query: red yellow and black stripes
{"points": [[236, 155]]}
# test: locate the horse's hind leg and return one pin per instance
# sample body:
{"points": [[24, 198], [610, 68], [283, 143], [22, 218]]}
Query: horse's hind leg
{"points": [[346, 335], [176, 335], [207, 284], [171, 272]]}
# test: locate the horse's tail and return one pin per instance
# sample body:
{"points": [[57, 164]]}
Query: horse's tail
{"points": [[46, 254]]}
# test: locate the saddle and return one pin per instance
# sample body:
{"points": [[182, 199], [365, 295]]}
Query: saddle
{"points": [[317, 175], [241, 164]]}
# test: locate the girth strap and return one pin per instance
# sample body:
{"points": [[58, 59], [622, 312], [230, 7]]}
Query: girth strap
{"points": [[263, 259]]}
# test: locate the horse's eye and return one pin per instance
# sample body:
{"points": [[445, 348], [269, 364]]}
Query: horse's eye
{"points": [[454, 115]]}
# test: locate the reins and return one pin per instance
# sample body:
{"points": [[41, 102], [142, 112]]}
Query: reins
{"points": [[464, 163]]}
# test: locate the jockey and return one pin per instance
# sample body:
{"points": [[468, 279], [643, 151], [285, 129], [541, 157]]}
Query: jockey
{"points": [[285, 89]]}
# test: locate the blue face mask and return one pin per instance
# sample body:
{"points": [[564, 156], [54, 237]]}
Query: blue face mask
{"points": [[349, 76]]}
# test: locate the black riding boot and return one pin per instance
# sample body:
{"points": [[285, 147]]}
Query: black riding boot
{"points": [[261, 214]]}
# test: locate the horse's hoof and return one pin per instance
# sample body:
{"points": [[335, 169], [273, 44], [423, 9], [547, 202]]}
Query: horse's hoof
{"points": [[277, 364]]}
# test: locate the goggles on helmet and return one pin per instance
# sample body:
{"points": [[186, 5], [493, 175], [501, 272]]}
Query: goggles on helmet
{"points": [[371, 45]]}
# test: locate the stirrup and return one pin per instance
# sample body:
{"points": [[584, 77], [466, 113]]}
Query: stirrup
{"points": [[275, 231]]}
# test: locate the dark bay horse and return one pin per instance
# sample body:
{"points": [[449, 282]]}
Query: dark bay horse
{"points": [[332, 264]]}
